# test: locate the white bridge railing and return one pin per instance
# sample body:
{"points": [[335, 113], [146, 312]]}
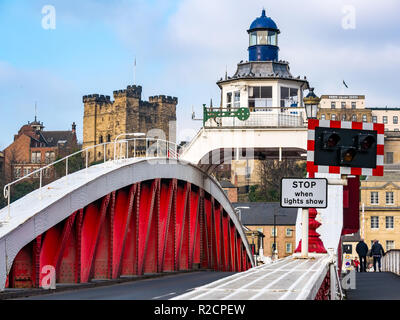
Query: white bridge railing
{"points": [[391, 261], [147, 147]]}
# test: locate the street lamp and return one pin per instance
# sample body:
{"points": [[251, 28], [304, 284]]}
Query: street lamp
{"points": [[311, 102], [274, 251]]}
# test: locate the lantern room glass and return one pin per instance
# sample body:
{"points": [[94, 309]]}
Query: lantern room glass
{"points": [[263, 37]]}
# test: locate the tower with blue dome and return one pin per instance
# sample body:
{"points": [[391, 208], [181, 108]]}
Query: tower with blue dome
{"points": [[263, 39], [262, 86]]}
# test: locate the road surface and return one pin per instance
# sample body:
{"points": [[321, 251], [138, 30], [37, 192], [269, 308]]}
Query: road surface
{"points": [[161, 288]]}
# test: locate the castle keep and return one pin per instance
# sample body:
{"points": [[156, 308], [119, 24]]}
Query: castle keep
{"points": [[104, 119]]}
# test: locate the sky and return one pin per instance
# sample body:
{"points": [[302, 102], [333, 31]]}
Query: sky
{"points": [[182, 48]]}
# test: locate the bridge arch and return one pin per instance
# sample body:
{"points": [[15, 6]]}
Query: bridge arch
{"points": [[124, 217]]}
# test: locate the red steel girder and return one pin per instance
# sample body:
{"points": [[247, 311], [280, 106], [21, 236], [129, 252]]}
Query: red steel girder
{"points": [[148, 227]]}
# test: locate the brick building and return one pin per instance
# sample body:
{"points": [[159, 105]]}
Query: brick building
{"points": [[104, 119], [344, 108], [34, 147], [260, 217], [230, 190], [380, 210]]}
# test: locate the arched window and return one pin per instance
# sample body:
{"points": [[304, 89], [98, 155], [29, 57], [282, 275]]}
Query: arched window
{"points": [[101, 139], [109, 138]]}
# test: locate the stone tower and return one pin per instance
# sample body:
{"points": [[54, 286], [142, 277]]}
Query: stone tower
{"points": [[104, 119]]}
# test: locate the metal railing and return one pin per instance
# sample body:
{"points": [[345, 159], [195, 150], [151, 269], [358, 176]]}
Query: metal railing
{"points": [[264, 117], [391, 261], [154, 148]]}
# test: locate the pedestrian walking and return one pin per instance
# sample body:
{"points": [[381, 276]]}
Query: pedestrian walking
{"points": [[362, 250], [356, 264], [377, 253]]}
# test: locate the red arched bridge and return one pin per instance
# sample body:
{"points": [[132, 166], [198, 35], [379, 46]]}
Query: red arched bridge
{"points": [[121, 218]]}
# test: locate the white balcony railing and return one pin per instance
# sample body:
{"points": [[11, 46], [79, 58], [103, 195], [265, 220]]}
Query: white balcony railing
{"points": [[264, 117]]}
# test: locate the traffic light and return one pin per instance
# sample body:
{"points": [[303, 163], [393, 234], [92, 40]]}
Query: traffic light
{"points": [[345, 147], [330, 140]]}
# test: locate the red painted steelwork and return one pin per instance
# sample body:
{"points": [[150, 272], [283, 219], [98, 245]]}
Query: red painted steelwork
{"points": [[153, 226], [324, 291]]}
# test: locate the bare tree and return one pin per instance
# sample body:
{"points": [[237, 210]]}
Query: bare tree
{"points": [[272, 171]]}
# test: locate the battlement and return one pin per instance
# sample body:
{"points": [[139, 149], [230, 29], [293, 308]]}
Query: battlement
{"points": [[164, 99], [96, 98], [129, 92]]}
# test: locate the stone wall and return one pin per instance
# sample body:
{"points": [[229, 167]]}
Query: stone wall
{"points": [[104, 119]]}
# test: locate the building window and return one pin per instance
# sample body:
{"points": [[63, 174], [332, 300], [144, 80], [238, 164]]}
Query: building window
{"points": [[17, 172], [289, 232], [343, 117], [36, 173], [347, 248], [389, 197], [288, 248], [374, 222], [109, 138], [47, 172], [385, 119], [374, 119], [354, 117], [395, 119], [289, 97], [323, 117], [101, 139], [36, 157], [389, 245], [260, 97], [343, 104], [27, 170], [374, 197], [50, 156], [333, 105], [389, 222], [389, 157], [237, 99], [364, 118], [229, 100], [274, 232], [353, 104], [333, 117]]}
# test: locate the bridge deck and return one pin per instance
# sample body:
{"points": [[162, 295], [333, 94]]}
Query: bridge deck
{"points": [[286, 279], [375, 286]]}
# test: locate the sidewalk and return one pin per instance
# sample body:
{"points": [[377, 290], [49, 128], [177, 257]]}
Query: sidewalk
{"points": [[375, 286]]}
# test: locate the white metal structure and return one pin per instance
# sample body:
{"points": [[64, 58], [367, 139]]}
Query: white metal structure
{"points": [[249, 139], [285, 279], [391, 261]]}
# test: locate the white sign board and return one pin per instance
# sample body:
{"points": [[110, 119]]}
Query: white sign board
{"points": [[304, 193]]}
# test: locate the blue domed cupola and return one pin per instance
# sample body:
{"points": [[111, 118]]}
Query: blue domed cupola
{"points": [[263, 45]]}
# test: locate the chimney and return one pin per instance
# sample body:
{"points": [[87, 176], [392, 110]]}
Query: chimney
{"points": [[73, 127]]}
